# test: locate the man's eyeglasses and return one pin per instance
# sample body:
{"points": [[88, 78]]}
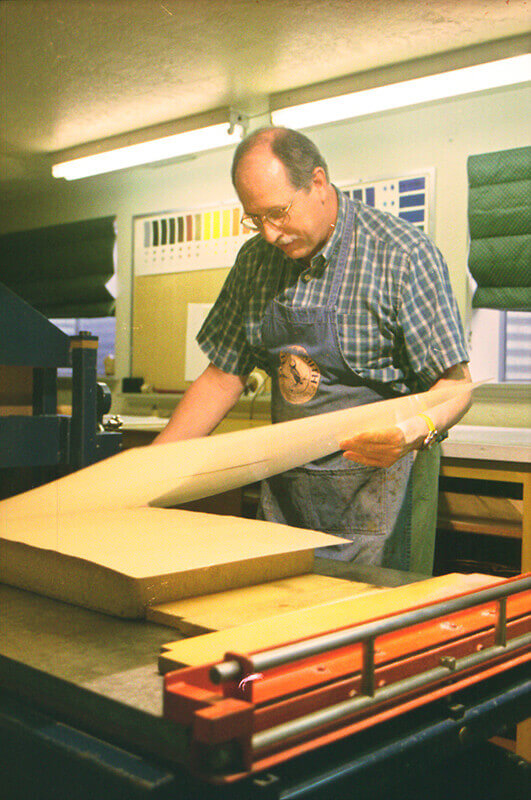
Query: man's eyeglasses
{"points": [[276, 217]]}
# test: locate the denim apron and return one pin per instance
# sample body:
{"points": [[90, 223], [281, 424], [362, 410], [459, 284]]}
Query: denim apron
{"points": [[368, 505]]}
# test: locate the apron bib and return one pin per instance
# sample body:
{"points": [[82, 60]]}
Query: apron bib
{"points": [[309, 375]]}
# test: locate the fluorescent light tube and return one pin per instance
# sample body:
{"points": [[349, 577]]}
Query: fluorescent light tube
{"points": [[397, 95], [178, 144]]}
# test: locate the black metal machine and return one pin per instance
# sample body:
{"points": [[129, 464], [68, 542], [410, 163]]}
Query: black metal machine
{"points": [[43, 445]]}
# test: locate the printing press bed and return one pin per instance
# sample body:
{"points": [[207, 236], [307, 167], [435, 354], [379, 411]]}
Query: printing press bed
{"points": [[82, 717]]}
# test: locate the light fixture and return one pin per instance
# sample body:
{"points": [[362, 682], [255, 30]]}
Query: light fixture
{"points": [[153, 150], [466, 80]]}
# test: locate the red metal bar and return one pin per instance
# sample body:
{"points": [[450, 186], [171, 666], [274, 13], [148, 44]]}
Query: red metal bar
{"points": [[223, 718]]}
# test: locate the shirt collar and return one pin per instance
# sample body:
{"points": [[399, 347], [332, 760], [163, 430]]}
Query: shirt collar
{"points": [[329, 248]]}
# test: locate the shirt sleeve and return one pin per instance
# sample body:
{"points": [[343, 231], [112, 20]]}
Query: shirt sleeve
{"points": [[429, 318], [222, 336]]}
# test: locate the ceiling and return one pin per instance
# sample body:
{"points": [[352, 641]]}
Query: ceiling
{"points": [[74, 71]]}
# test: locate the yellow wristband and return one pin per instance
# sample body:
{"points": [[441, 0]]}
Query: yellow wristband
{"points": [[432, 432]]}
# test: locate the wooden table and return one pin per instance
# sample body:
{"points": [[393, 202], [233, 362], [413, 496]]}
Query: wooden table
{"points": [[504, 456], [493, 454]]}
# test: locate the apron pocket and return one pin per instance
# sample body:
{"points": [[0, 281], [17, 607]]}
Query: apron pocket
{"points": [[369, 506], [348, 501], [341, 501]]}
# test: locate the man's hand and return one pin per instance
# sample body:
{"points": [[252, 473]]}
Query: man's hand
{"points": [[381, 448], [376, 448]]}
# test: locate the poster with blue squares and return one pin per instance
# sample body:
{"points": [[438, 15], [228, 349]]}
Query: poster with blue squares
{"points": [[406, 197]]}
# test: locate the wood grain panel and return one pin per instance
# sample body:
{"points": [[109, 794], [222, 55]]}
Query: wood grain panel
{"points": [[228, 609]]}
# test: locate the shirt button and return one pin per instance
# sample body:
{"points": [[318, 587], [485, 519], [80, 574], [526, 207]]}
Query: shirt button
{"points": [[306, 277]]}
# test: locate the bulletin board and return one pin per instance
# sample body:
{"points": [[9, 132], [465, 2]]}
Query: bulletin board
{"points": [[183, 257], [180, 259], [160, 313]]}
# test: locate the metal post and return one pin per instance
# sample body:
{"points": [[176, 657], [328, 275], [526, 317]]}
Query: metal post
{"points": [[84, 400], [501, 623]]}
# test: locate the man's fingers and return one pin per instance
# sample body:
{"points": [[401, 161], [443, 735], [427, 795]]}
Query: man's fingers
{"points": [[379, 448], [388, 436], [361, 459]]}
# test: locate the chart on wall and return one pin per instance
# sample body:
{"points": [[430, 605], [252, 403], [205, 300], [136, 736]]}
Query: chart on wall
{"points": [[408, 197], [194, 239], [209, 238]]}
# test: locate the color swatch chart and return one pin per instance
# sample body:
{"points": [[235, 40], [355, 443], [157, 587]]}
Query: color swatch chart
{"points": [[406, 198], [210, 238], [188, 240]]}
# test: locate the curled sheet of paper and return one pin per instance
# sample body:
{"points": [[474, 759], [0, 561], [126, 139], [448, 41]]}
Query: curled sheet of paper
{"points": [[178, 472]]}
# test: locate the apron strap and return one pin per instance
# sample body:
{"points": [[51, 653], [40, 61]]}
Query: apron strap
{"points": [[341, 264]]}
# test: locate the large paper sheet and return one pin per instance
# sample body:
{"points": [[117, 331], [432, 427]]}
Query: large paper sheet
{"points": [[178, 472], [123, 561], [105, 538]]}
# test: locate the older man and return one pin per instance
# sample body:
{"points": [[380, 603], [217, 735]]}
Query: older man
{"points": [[341, 305]]}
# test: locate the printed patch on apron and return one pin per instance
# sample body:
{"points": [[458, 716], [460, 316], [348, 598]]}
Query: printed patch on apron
{"points": [[298, 375]]}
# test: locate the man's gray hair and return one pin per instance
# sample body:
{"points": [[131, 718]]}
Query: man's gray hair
{"points": [[297, 153]]}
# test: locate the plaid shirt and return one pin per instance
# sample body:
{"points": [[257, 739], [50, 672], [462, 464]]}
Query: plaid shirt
{"points": [[398, 323]]}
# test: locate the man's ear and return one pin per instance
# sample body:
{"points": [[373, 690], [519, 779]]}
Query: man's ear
{"points": [[319, 181]]}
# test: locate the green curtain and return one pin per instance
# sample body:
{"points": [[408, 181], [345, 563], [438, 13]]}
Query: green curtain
{"points": [[62, 270], [499, 216]]}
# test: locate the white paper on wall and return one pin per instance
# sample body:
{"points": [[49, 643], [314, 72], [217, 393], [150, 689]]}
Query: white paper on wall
{"points": [[183, 241]]}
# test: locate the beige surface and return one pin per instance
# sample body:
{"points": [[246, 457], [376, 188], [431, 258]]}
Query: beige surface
{"points": [[99, 515], [453, 504], [283, 628], [120, 562], [253, 603], [159, 331]]}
